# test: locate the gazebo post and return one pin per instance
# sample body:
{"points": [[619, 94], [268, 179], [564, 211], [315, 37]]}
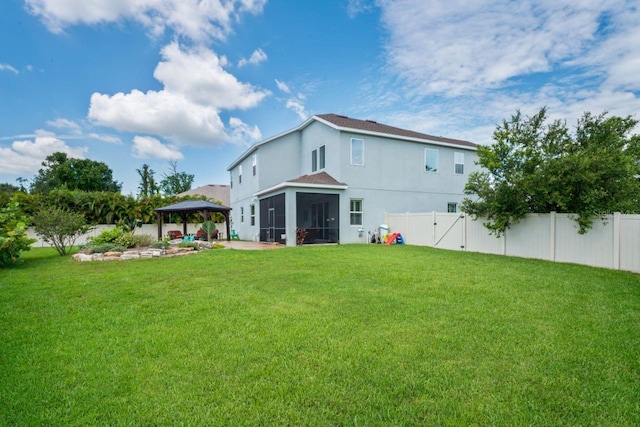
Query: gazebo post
{"points": [[184, 223], [159, 217], [226, 218]]}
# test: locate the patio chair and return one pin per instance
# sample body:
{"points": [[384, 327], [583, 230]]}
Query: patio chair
{"points": [[234, 235], [175, 234]]}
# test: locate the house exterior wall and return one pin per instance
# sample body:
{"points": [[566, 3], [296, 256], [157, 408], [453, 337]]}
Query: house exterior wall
{"points": [[392, 179]]}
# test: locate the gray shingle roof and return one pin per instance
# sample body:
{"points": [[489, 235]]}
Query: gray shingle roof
{"points": [[372, 126], [321, 178]]}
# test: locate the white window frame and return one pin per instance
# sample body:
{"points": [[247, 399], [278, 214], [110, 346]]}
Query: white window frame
{"points": [[240, 174], [458, 160], [318, 160], [426, 155], [231, 179], [252, 212], [241, 213], [254, 164], [361, 142], [452, 205], [353, 212]]}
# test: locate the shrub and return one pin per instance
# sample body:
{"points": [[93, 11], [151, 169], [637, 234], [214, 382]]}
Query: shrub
{"points": [[106, 236], [106, 247], [159, 245], [13, 233], [143, 240], [59, 227]]}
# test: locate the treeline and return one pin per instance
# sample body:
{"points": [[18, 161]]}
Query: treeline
{"points": [[102, 207]]}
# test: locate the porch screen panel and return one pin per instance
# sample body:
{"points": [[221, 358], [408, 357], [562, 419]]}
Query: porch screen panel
{"points": [[272, 219]]}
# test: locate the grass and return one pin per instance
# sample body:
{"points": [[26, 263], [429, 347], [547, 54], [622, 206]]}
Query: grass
{"points": [[339, 335]]}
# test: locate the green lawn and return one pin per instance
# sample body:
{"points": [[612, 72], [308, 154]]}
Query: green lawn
{"points": [[333, 335]]}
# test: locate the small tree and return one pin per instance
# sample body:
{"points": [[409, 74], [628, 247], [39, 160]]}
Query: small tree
{"points": [[60, 227], [13, 233], [208, 227]]}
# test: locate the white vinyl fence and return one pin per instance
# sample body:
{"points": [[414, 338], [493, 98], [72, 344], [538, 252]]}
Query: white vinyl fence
{"points": [[613, 244], [150, 229]]}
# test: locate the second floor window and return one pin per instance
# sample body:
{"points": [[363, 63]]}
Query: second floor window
{"points": [[458, 163], [240, 174], [357, 151], [317, 159], [431, 160], [255, 164]]}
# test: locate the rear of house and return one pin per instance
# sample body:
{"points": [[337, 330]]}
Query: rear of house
{"points": [[334, 177]]}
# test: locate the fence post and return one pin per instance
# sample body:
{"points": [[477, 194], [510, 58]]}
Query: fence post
{"points": [[552, 236], [435, 222], [616, 240]]}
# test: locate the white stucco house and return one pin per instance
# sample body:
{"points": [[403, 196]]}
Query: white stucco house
{"points": [[335, 177]]}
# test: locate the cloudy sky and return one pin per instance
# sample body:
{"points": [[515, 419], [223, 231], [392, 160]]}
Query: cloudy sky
{"points": [[198, 81]]}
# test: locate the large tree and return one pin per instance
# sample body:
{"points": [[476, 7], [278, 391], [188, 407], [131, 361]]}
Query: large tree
{"points": [[148, 186], [175, 182], [59, 171], [535, 167]]}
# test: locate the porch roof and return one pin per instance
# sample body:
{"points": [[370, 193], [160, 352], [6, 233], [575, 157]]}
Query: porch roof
{"points": [[321, 180]]}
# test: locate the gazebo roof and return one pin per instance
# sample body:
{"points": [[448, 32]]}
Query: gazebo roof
{"points": [[194, 206]]}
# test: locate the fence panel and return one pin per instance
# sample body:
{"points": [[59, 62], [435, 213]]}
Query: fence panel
{"points": [[612, 244], [592, 248], [530, 238], [630, 243]]}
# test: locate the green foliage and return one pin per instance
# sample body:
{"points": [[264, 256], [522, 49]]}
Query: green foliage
{"points": [[534, 168], [175, 182], [117, 236], [208, 227], [159, 245], [148, 186], [59, 227], [13, 233], [106, 247], [188, 245], [60, 172], [109, 235]]}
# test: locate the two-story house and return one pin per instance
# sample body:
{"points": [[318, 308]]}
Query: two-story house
{"points": [[335, 177]]}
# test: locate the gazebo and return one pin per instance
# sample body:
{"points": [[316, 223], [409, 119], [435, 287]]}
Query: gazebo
{"points": [[192, 206]]}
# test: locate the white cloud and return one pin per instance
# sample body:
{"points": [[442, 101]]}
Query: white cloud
{"points": [[7, 67], [242, 132], [198, 75], [297, 106], [195, 19], [26, 156], [66, 124], [454, 48], [461, 67], [111, 139], [186, 111], [256, 57], [145, 147], [283, 86]]}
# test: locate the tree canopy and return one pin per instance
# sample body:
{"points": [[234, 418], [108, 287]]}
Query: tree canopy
{"points": [[148, 186], [175, 182], [535, 167], [60, 172]]}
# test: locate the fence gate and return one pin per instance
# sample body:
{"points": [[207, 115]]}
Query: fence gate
{"points": [[449, 231]]}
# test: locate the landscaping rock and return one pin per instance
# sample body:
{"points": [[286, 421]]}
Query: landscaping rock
{"points": [[113, 254]]}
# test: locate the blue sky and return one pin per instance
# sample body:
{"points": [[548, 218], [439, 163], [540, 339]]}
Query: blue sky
{"points": [[198, 81]]}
